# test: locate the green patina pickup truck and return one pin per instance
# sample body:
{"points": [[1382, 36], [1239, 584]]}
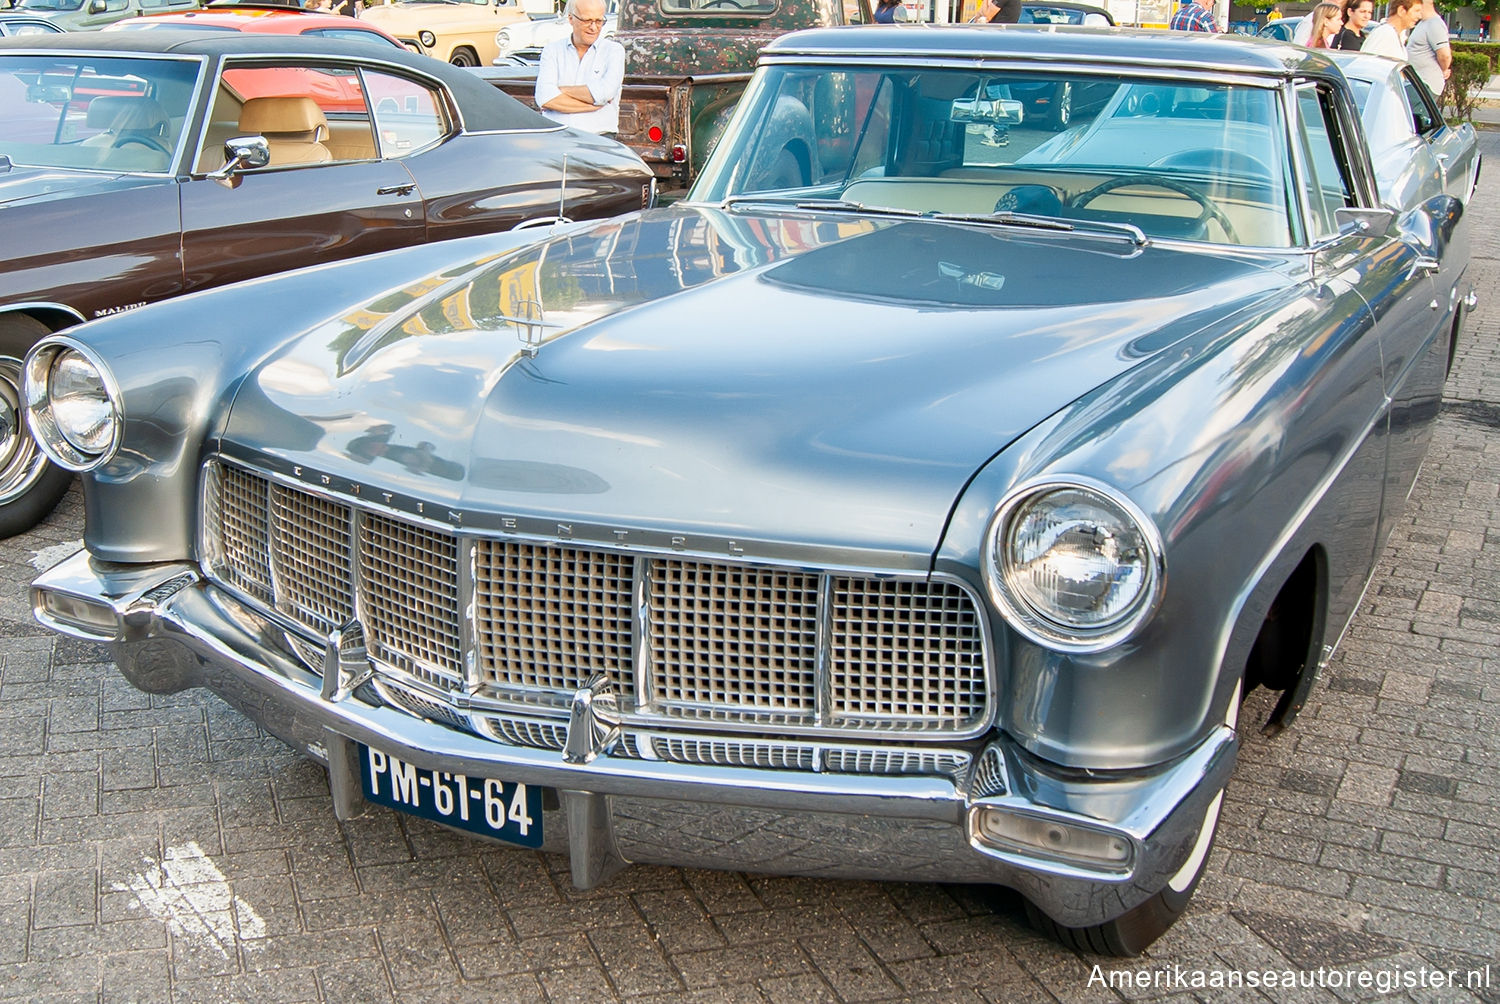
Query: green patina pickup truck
{"points": [[686, 64]]}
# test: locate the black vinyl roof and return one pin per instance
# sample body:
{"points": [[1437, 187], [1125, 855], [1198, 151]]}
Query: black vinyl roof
{"points": [[483, 106]]}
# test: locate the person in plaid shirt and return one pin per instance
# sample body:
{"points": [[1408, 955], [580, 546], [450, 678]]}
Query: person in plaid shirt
{"points": [[1191, 16]]}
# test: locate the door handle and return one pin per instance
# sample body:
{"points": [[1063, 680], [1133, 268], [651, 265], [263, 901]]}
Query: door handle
{"points": [[404, 189]]}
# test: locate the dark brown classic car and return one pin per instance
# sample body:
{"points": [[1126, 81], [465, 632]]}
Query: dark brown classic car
{"points": [[144, 165]]}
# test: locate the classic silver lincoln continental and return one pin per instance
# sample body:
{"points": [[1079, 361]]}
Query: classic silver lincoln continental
{"points": [[916, 500]]}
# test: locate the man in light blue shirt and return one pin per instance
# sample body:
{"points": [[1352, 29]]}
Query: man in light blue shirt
{"points": [[579, 79]]}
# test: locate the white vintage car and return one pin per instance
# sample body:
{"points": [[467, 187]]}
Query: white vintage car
{"points": [[522, 42]]}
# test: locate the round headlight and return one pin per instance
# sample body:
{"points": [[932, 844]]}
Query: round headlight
{"points": [[1073, 565], [71, 406], [427, 38], [502, 38]]}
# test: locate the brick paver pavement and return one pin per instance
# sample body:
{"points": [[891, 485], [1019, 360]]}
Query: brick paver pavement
{"points": [[161, 848]]}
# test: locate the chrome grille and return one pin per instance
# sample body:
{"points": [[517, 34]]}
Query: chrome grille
{"points": [[310, 558], [516, 626], [929, 630], [239, 513], [409, 581], [521, 732], [551, 617], [720, 753], [421, 705], [894, 761], [733, 636]]}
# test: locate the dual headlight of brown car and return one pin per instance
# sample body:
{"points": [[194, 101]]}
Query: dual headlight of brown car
{"points": [[72, 405]]}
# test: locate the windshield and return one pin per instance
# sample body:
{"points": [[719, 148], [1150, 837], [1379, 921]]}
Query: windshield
{"points": [[1189, 160], [94, 113], [50, 5]]}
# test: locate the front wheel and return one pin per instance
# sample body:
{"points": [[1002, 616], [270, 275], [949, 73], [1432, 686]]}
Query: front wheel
{"points": [[464, 57], [1131, 932], [30, 484]]}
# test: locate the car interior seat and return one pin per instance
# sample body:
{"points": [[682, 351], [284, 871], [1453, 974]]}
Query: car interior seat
{"points": [[294, 127], [122, 117]]}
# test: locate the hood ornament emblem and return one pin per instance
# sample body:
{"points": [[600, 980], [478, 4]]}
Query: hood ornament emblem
{"points": [[346, 662], [593, 720], [526, 315]]}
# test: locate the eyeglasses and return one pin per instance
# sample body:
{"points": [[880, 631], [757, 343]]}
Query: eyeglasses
{"points": [[591, 22]]}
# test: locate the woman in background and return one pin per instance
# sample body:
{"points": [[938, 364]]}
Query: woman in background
{"points": [[1327, 22], [890, 12]]}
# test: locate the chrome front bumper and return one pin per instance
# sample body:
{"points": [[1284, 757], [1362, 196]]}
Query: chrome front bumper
{"points": [[170, 629]]}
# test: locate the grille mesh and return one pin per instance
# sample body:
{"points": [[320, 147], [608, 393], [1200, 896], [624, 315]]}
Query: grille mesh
{"points": [[928, 632], [720, 753], [551, 617], [733, 636], [239, 512], [736, 643], [311, 558], [410, 580]]}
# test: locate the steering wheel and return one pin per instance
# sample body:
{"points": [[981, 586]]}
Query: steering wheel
{"points": [[1210, 211], [725, 3], [125, 139]]}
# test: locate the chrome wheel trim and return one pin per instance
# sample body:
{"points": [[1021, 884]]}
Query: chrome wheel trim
{"points": [[21, 463], [1190, 868]]}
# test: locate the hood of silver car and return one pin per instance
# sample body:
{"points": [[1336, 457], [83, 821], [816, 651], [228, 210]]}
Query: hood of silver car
{"points": [[772, 378]]}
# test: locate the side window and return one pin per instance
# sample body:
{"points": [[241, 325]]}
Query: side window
{"points": [[408, 116], [1328, 183], [307, 114], [1424, 117]]}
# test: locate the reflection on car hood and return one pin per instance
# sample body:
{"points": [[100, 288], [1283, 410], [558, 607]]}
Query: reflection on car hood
{"points": [[39, 184], [792, 379]]}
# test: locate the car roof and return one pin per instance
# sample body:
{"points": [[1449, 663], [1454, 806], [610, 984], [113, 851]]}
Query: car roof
{"points": [[272, 20], [1364, 65], [1189, 51], [484, 107], [287, 20]]}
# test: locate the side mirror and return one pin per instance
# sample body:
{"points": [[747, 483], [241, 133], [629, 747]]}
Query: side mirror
{"points": [[243, 153], [1365, 221], [97, 6]]}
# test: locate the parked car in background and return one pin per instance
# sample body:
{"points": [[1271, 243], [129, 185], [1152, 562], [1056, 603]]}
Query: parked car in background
{"points": [[1416, 152], [12, 24], [273, 19], [1280, 30], [461, 32], [686, 64], [1065, 12], [84, 15], [924, 519], [143, 165], [522, 42]]}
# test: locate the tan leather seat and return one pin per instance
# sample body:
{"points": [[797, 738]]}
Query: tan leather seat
{"points": [[294, 128], [122, 116]]}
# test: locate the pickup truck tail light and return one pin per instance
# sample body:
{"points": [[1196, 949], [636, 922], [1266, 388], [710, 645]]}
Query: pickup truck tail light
{"points": [[679, 153], [654, 134]]}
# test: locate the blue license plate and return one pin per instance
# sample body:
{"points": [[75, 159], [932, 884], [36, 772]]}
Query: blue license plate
{"points": [[504, 810]]}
